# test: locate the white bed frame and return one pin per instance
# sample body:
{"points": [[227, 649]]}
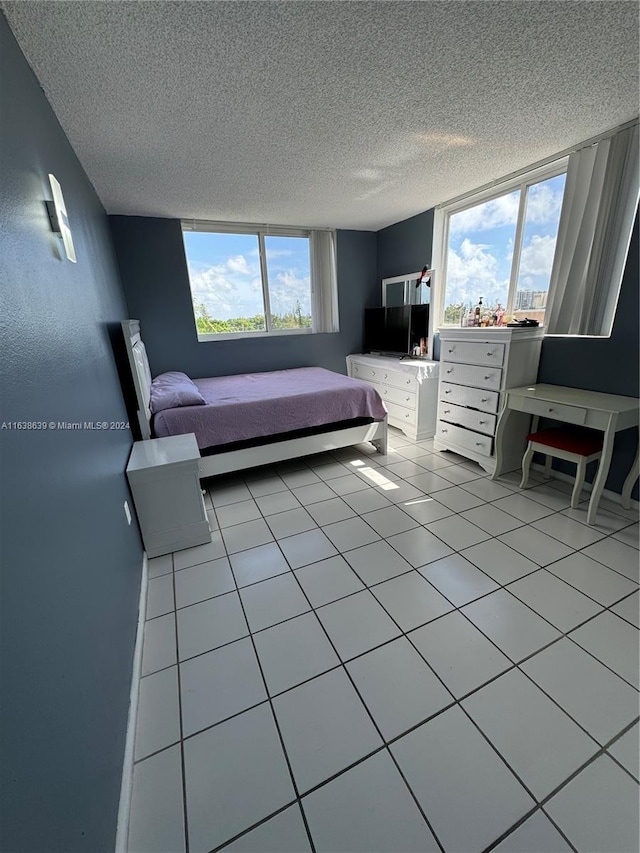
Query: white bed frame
{"points": [[251, 457]]}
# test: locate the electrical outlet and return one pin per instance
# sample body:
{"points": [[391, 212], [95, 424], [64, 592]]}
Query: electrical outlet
{"points": [[127, 512]]}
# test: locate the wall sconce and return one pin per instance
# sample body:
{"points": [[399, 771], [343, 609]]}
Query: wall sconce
{"points": [[58, 218]]}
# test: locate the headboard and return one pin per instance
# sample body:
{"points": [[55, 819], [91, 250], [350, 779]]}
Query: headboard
{"points": [[140, 372]]}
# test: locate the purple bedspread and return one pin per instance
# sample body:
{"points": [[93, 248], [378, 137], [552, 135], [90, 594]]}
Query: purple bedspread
{"points": [[252, 405]]}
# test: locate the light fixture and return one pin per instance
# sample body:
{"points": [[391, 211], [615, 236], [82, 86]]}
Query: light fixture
{"points": [[58, 218]]}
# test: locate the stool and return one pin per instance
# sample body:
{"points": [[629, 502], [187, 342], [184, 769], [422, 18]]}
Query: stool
{"points": [[570, 443]]}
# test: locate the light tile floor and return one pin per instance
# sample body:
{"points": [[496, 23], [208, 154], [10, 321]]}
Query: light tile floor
{"points": [[370, 656]]}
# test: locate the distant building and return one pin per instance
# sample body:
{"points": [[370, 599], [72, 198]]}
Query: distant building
{"points": [[530, 299]]}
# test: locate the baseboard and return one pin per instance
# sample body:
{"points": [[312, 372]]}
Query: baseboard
{"points": [[122, 831], [614, 497]]}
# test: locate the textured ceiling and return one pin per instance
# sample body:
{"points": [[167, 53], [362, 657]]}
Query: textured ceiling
{"points": [[345, 114]]}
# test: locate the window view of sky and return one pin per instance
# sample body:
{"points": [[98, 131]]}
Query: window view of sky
{"points": [[481, 245], [224, 271]]}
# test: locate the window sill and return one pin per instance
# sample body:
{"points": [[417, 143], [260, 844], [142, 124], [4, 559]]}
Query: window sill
{"points": [[235, 336]]}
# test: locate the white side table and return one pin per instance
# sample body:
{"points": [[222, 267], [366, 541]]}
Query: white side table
{"points": [[163, 477]]}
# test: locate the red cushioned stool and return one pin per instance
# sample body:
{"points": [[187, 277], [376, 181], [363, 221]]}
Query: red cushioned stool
{"points": [[574, 444]]}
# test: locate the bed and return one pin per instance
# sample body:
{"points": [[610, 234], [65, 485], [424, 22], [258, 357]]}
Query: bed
{"points": [[249, 420]]}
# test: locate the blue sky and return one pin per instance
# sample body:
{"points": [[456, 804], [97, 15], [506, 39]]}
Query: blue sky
{"points": [[481, 245], [224, 271]]}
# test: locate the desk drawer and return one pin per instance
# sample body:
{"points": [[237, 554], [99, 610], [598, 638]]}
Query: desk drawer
{"points": [[398, 395], [477, 377], [469, 418], [464, 438], [400, 415], [549, 409], [461, 395], [468, 353]]}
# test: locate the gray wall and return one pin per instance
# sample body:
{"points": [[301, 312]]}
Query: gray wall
{"points": [[607, 364], [154, 274], [70, 569]]}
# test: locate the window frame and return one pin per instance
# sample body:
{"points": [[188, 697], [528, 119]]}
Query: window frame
{"points": [[260, 231], [442, 219]]}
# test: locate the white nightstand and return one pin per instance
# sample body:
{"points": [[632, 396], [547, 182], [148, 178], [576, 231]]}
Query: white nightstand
{"points": [[163, 475]]}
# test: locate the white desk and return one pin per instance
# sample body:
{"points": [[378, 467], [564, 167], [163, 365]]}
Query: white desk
{"points": [[606, 412]]}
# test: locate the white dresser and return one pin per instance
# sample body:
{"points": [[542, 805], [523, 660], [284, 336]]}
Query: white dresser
{"points": [[409, 389], [476, 367]]}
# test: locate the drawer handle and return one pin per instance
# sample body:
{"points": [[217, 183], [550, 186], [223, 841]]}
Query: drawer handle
{"points": [[483, 399], [452, 349], [490, 354], [373, 373], [447, 411], [449, 391], [385, 391], [385, 376], [407, 399], [478, 444], [450, 370], [407, 415], [444, 430], [550, 410], [488, 377], [482, 422], [408, 382]]}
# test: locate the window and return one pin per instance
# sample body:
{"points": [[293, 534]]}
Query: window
{"points": [[499, 246], [253, 281]]}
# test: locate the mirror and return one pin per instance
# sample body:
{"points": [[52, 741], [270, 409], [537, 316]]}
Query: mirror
{"points": [[411, 289]]}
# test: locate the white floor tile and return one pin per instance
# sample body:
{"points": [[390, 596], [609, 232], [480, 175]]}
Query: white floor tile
{"points": [[293, 652], [366, 500], [419, 547], [406, 468], [266, 486], [614, 642], [349, 534], [160, 596], [592, 578], [593, 822], [512, 626], [331, 470], [536, 739], [219, 684], [487, 489], [158, 566], [425, 509], [629, 609], [237, 513], [341, 816], [313, 493], [434, 461], [272, 601], [325, 728], [206, 580], [522, 507], [305, 548], [535, 835], [258, 564], [500, 562], [457, 532], [565, 529], [249, 534], [300, 478], [398, 687], [617, 556], [606, 522], [630, 535], [284, 833], [555, 600], [201, 553], [277, 502], [458, 579], [390, 520], [459, 653], [290, 522], [460, 474], [535, 545], [627, 749], [357, 624], [223, 495], [617, 508], [328, 580], [377, 562], [491, 519], [205, 626], [458, 499], [547, 495], [158, 717], [429, 483], [159, 645], [401, 492], [326, 512], [471, 798], [156, 822], [410, 600], [235, 776], [594, 696], [349, 484]]}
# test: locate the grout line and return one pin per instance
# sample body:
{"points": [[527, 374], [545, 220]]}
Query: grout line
{"points": [[182, 758]]}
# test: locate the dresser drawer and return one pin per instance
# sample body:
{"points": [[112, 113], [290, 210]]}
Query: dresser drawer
{"points": [[544, 408], [397, 395], [464, 438], [477, 377], [480, 421], [383, 376], [400, 415], [462, 395], [468, 353]]}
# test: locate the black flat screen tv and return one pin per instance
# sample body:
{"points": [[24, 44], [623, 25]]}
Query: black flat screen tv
{"points": [[395, 331]]}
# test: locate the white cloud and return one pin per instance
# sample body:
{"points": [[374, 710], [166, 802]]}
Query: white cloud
{"points": [[473, 272], [490, 214], [287, 289], [230, 289], [543, 204], [537, 256]]}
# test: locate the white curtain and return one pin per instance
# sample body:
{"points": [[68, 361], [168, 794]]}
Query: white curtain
{"points": [[598, 211], [324, 291]]}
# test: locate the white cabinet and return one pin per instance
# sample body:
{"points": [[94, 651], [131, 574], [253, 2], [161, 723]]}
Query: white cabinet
{"points": [[408, 387], [476, 367], [163, 475]]}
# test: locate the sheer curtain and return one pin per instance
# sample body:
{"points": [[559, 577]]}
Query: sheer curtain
{"points": [[598, 211], [324, 291]]}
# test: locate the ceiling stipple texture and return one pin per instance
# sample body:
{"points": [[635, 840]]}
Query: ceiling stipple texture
{"points": [[346, 114]]}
